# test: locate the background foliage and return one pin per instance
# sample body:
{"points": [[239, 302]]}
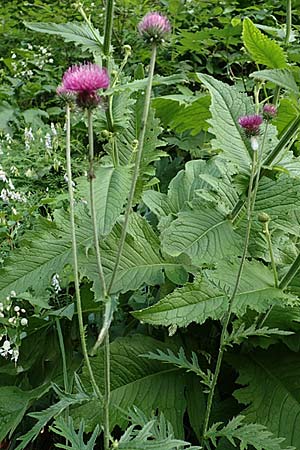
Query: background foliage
{"points": [[183, 246]]}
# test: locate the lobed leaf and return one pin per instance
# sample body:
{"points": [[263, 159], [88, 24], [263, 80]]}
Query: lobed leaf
{"points": [[272, 390]]}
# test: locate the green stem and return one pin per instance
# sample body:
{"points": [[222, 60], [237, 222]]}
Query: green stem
{"points": [[89, 24], [292, 130], [136, 167], [74, 251], [290, 274], [252, 191], [64, 362], [267, 234], [104, 329], [91, 177], [109, 15], [276, 95], [250, 203], [63, 354], [288, 21], [106, 392]]}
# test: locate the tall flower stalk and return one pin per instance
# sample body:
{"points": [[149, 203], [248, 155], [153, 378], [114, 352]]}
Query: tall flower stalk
{"points": [[136, 166], [154, 29], [251, 125], [75, 258]]}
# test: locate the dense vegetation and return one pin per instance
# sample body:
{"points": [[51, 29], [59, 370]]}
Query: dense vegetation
{"points": [[173, 321]]}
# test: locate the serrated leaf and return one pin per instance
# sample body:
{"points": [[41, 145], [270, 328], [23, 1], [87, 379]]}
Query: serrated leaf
{"points": [[111, 187], [203, 233], [202, 300], [44, 252], [252, 434], [191, 116], [138, 85], [281, 77], [272, 390], [148, 385], [227, 105], [79, 33], [43, 417], [262, 49], [141, 261], [153, 434]]}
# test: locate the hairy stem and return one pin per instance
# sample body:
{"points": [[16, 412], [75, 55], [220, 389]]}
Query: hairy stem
{"points": [[64, 363], [106, 392], [250, 202], [91, 178], [252, 191], [267, 234], [109, 16], [63, 354], [75, 259], [290, 274], [288, 28], [136, 167], [289, 134]]}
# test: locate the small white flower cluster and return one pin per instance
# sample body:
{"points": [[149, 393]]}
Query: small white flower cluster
{"points": [[25, 67], [7, 350], [13, 313], [48, 141], [56, 283], [9, 192], [66, 178], [11, 316], [28, 137]]}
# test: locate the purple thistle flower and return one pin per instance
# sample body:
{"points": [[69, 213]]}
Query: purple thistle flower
{"points": [[269, 111], [84, 80], [251, 124], [154, 27]]}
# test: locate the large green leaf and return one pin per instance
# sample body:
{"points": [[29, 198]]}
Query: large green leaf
{"points": [[272, 390], [180, 116], [111, 187], [262, 49], [141, 261], [282, 77], [209, 180], [227, 105], [208, 297], [79, 33], [276, 197], [13, 405], [135, 381], [203, 233], [43, 252]]}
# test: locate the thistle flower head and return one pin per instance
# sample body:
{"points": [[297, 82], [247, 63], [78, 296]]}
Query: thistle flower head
{"points": [[154, 27], [86, 77], [269, 111], [251, 124], [83, 81]]}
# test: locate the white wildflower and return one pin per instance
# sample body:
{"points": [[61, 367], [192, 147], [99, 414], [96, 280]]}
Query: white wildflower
{"points": [[48, 143], [55, 283], [3, 176]]}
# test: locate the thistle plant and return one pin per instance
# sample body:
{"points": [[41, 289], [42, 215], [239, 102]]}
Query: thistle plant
{"points": [[82, 81], [251, 126]]}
